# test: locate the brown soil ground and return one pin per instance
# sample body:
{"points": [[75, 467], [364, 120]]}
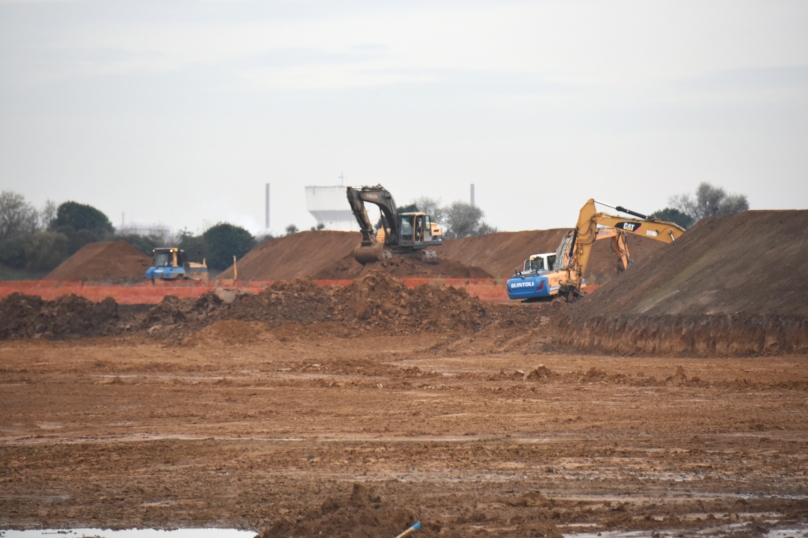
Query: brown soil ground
{"points": [[500, 253], [731, 285], [290, 430], [107, 261], [401, 267]]}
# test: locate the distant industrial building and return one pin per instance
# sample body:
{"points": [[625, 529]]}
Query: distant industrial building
{"points": [[329, 205]]}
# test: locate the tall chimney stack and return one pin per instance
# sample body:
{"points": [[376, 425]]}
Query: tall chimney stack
{"points": [[266, 224], [472, 195]]}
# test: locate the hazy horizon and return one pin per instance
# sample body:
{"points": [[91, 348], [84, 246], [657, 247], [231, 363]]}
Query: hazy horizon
{"points": [[179, 112]]}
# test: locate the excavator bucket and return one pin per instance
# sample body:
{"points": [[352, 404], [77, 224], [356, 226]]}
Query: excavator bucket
{"points": [[429, 256], [366, 255]]}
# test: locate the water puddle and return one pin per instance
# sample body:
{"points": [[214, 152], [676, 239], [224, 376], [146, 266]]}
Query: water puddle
{"points": [[128, 533]]}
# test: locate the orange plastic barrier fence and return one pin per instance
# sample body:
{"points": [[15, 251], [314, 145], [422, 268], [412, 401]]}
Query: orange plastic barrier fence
{"points": [[146, 293]]}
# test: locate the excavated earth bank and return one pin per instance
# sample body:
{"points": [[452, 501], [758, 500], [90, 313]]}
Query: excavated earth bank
{"points": [[326, 255], [732, 285], [500, 253], [373, 301], [115, 261]]}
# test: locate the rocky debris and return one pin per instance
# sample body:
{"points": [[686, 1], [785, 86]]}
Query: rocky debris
{"points": [[28, 316]]}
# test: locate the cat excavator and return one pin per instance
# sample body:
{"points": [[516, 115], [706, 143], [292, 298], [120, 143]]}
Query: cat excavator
{"points": [[401, 233], [572, 255]]}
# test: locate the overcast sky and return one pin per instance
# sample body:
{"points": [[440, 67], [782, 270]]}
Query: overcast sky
{"points": [[178, 112]]}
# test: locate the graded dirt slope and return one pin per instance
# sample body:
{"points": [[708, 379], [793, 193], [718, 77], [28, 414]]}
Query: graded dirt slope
{"points": [[732, 285], [326, 255], [294, 256], [755, 261], [109, 260], [500, 253], [401, 266]]}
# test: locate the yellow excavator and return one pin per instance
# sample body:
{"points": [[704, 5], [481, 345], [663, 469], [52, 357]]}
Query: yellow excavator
{"points": [[401, 233], [572, 256]]}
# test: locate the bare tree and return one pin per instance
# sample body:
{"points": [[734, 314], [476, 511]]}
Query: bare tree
{"points": [[431, 207], [463, 220], [17, 217], [47, 215], [710, 201]]}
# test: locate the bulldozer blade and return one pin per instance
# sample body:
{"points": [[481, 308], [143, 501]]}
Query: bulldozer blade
{"points": [[366, 255]]}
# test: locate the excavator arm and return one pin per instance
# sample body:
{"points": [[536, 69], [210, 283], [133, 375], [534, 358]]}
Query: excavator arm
{"points": [[593, 225], [381, 197]]}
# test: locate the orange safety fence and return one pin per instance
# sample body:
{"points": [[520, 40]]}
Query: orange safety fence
{"points": [[146, 293]]}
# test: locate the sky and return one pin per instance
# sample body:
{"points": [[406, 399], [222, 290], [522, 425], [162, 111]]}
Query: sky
{"points": [[177, 112]]}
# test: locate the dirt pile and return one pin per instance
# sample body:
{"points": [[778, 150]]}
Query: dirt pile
{"points": [[108, 261], [500, 253], [375, 300], [402, 267], [736, 284], [27, 316], [326, 255], [364, 514], [293, 256]]}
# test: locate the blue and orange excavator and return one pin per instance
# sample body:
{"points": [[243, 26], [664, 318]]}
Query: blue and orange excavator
{"points": [[565, 276]]}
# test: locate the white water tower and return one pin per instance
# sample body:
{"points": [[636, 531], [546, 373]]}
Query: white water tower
{"points": [[329, 205]]}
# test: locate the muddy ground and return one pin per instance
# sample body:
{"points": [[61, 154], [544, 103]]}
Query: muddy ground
{"points": [[294, 431]]}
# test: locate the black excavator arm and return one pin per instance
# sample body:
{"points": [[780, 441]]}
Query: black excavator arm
{"points": [[381, 197]]}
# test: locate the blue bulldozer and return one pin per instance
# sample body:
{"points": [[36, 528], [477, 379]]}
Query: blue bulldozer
{"points": [[170, 263]]}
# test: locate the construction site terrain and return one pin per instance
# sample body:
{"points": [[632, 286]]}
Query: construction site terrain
{"points": [[307, 410]]}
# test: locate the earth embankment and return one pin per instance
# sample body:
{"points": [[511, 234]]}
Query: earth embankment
{"points": [[327, 255], [500, 253], [731, 285], [108, 261]]}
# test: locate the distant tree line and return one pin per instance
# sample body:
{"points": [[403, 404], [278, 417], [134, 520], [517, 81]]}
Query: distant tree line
{"points": [[708, 201], [36, 241]]}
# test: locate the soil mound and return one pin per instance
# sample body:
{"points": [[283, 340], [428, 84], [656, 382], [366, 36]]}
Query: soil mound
{"points": [[326, 255], [375, 300], [107, 261], [732, 285], [28, 316], [401, 267], [500, 253], [755, 261], [363, 514], [293, 256]]}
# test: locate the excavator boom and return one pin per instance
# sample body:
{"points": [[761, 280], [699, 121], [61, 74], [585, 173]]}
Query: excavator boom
{"points": [[404, 233], [572, 256]]}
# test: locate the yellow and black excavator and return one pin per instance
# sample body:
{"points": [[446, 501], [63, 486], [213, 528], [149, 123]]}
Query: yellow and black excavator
{"points": [[572, 256], [401, 233]]}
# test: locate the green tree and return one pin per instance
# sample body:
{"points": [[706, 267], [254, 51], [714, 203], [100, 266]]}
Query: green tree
{"points": [[291, 229], [144, 243], [82, 217], [12, 252], [464, 220], [224, 241], [44, 251], [674, 215], [193, 245]]}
